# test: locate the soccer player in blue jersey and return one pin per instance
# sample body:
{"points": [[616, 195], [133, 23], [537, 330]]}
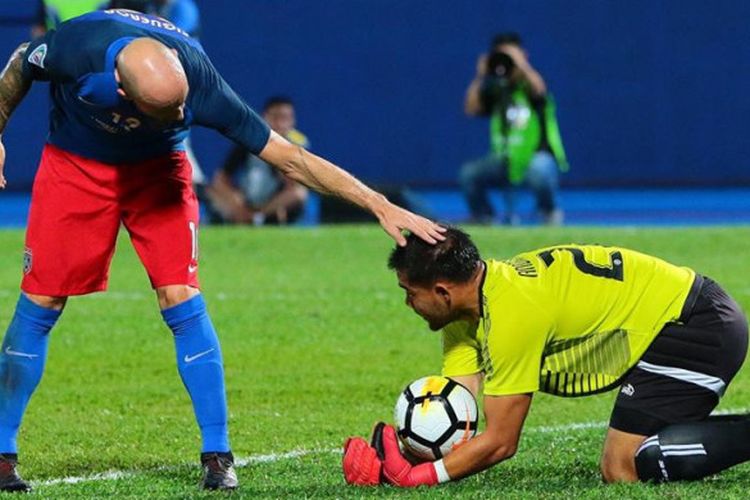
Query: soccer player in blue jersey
{"points": [[126, 87]]}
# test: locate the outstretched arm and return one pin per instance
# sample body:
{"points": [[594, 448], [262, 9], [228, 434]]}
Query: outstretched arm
{"points": [[216, 105], [325, 177], [13, 88]]}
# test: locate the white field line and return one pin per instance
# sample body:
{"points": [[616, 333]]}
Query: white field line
{"points": [[239, 462], [100, 476], [277, 457], [603, 424], [567, 427]]}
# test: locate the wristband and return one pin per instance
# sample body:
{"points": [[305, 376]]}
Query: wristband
{"points": [[442, 472]]}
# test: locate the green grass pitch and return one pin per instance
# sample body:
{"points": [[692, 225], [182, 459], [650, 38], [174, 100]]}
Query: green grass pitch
{"points": [[317, 345]]}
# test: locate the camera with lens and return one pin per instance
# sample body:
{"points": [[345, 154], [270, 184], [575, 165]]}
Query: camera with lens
{"points": [[499, 65], [495, 90]]}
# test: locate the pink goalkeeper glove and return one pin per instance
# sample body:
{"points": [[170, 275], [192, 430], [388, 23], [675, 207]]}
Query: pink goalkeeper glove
{"points": [[398, 471], [361, 463]]}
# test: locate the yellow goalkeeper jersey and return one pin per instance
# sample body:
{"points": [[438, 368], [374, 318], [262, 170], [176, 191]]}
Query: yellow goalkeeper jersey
{"points": [[568, 320]]}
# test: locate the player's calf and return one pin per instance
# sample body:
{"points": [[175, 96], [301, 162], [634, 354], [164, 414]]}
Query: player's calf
{"points": [[200, 365], [695, 450], [617, 464], [618, 470], [22, 360]]}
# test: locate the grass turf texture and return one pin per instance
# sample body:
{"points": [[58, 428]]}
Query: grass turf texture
{"points": [[317, 345]]}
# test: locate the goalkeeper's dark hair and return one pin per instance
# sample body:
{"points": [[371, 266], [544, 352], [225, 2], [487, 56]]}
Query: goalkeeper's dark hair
{"points": [[454, 259]]}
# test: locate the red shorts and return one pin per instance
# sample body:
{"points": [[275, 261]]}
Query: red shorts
{"points": [[77, 206]]}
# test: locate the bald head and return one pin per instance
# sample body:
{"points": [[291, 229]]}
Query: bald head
{"points": [[151, 75]]}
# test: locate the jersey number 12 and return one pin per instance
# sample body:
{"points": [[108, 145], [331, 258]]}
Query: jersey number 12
{"points": [[613, 271]]}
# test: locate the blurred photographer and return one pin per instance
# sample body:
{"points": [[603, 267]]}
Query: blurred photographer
{"points": [[50, 13], [526, 148]]}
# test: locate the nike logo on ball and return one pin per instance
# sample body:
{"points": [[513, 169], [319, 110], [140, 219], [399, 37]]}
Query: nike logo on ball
{"points": [[188, 359], [9, 352]]}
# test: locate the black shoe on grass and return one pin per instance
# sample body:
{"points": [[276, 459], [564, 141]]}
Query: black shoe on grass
{"points": [[218, 471], [9, 478]]}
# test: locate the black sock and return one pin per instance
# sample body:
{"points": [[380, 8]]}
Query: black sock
{"points": [[695, 450]]}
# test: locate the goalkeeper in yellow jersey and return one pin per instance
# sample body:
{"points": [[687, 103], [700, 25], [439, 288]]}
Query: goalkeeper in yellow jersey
{"points": [[574, 320]]}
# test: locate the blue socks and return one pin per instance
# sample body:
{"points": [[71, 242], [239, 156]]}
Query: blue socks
{"points": [[200, 366], [24, 353]]}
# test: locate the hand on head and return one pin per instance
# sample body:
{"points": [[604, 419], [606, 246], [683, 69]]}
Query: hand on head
{"points": [[394, 219]]}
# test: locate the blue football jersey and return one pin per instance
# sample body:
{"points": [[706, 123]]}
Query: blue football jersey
{"points": [[88, 116]]}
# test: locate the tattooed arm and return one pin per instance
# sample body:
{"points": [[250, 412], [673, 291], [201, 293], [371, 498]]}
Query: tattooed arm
{"points": [[13, 88]]}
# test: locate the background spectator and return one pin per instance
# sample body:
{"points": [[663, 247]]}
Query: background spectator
{"points": [[526, 148], [248, 190], [50, 13]]}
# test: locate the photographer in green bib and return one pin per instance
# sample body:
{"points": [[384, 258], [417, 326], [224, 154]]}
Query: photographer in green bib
{"points": [[50, 13], [526, 148]]}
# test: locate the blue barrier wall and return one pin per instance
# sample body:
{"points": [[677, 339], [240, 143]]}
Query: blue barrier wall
{"points": [[649, 92]]}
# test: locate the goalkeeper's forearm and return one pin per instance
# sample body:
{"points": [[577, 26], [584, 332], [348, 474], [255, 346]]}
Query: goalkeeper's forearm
{"points": [[478, 454], [13, 85]]}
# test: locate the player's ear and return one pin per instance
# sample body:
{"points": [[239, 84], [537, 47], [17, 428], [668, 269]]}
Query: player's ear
{"points": [[443, 292], [120, 90]]}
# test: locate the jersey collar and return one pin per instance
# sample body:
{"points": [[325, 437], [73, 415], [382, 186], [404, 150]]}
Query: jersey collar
{"points": [[100, 89], [480, 291], [114, 49]]}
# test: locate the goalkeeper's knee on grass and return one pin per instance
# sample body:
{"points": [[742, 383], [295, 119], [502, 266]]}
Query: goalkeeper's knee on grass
{"points": [[695, 450]]}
